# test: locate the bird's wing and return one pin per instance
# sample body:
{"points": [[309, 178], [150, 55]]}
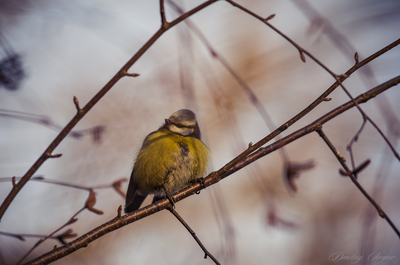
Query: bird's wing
{"points": [[135, 203], [133, 200], [130, 194]]}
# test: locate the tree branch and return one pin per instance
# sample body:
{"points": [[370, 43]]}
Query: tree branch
{"points": [[82, 111], [193, 234], [315, 103], [211, 179], [314, 126]]}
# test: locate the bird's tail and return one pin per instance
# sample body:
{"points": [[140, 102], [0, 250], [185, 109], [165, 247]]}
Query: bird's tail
{"points": [[135, 203]]}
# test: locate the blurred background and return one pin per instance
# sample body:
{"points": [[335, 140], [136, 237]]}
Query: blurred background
{"points": [[54, 50]]}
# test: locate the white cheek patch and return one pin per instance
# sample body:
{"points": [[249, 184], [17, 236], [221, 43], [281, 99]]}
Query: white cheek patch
{"points": [[182, 131], [187, 123]]}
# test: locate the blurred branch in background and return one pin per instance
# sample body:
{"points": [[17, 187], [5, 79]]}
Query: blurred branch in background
{"points": [[89, 204], [292, 170], [82, 111], [302, 51], [96, 132], [324, 26], [116, 184], [213, 178], [128, 112]]}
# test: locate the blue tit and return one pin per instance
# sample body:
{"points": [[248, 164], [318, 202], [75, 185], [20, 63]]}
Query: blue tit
{"points": [[170, 159]]}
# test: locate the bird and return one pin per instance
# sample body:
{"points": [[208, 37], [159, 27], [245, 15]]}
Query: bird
{"points": [[170, 159]]}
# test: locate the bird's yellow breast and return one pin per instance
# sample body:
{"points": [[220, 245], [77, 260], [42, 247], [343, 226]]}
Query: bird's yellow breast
{"points": [[169, 159]]}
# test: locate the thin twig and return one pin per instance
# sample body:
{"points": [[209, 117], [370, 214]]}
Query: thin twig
{"points": [[345, 46], [369, 222], [302, 51], [206, 252], [225, 224], [162, 14], [235, 74], [314, 126], [353, 140], [22, 236], [116, 184], [355, 181], [317, 126], [304, 112], [96, 131], [211, 179], [70, 221], [79, 115]]}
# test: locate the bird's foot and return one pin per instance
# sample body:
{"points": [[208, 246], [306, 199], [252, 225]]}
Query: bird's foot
{"points": [[170, 198]]}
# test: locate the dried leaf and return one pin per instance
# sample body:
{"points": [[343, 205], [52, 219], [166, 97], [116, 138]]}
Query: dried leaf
{"points": [[362, 166], [117, 186], [274, 219], [292, 172], [67, 234], [91, 201], [97, 133]]}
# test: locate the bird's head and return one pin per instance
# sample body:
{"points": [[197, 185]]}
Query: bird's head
{"points": [[183, 122]]}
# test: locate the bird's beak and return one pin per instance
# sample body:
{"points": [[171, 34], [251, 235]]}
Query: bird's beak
{"points": [[167, 121]]}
